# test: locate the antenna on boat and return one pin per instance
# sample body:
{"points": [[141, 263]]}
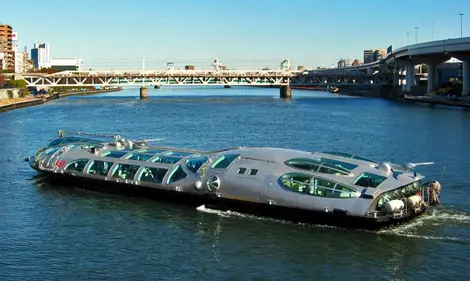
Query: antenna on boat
{"points": [[414, 165]]}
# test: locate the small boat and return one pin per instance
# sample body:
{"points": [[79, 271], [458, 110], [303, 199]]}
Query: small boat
{"points": [[331, 188]]}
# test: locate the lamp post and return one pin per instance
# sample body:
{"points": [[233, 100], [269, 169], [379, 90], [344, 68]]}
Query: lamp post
{"points": [[407, 38], [432, 30], [416, 30], [461, 15]]}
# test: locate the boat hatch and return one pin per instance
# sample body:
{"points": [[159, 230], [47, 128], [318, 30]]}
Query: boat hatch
{"points": [[306, 184], [349, 155], [369, 180], [151, 151]]}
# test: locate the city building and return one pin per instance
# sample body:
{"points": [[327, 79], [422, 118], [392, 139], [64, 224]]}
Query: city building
{"points": [[344, 63], [63, 64], [6, 47], [40, 55], [379, 54], [356, 62], [368, 56]]}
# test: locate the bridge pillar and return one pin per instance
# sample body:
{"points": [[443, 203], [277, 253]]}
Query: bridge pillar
{"points": [[285, 92], [466, 77], [410, 76], [432, 77], [143, 92]]}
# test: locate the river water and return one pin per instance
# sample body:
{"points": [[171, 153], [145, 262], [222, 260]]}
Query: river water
{"points": [[61, 233]]}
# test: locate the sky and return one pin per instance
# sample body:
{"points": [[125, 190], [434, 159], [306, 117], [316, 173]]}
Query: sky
{"points": [[243, 34]]}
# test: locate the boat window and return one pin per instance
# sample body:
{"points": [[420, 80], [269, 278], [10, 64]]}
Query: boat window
{"points": [[404, 191], [369, 180], [51, 150], [339, 164], [166, 159], [114, 154], [296, 182], [151, 151], [306, 184], [125, 171], [349, 155], [70, 140], [100, 168], [253, 172], [342, 191], [177, 174], [224, 161], [241, 170], [76, 165], [194, 163], [139, 156], [152, 175], [322, 165], [54, 142], [178, 153]]}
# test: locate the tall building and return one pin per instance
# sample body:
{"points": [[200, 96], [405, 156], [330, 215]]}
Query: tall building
{"points": [[344, 63], [379, 54], [6, 47], [66, 64], [40, 56], [368, 56]]}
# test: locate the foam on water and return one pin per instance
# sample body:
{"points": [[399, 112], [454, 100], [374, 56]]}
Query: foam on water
{"points": [[410, 229]]}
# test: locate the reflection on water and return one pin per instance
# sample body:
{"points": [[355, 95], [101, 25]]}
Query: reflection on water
{"points": [[60, 232]]}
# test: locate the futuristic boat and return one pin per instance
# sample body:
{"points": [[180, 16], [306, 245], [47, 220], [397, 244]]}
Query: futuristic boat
{"points": [[330, 188]]}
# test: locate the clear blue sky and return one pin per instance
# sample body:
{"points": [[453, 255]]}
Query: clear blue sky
{"points": [[242, 33]]}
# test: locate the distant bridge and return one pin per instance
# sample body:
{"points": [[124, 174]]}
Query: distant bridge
{"points": [[200, 77]]}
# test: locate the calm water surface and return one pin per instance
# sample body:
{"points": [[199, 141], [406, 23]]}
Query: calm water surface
{"points": [[59, 233]]}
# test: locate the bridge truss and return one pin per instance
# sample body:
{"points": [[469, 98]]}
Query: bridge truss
{"points": [[202, 77]]}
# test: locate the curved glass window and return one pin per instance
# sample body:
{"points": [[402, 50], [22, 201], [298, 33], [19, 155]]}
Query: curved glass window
{"points": [[100, 168], [224, 161], [315, 186], [139, 156], [349, 155], [369, 180], [177, 174], [404, 191], [152, 175], [178, 153], [54, 142], [76, 165], [114, 154], [194, 163], [125, 171], [166, 159], [322, 165], [151, 151]]}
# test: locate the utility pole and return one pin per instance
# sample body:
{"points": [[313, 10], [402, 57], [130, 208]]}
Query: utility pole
{"points": [[432, 30], [407, 38], [461, 15], [416, 29]]}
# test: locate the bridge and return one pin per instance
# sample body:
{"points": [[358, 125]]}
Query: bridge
{"points": [[430, 53]]}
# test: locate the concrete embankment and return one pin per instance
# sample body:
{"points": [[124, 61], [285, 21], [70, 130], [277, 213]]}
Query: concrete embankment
{"points": [[15, 102]]}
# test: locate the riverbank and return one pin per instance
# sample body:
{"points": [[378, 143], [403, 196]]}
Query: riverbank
{"points": [[15, 103]]}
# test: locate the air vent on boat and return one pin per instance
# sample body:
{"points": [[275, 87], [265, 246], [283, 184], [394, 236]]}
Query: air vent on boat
{"points": [[213, 183]]}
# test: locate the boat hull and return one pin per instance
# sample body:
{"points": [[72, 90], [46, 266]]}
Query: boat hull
{"points": [[337, 219]]}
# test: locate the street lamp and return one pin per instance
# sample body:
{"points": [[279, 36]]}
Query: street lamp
{"points": [[432, 30], [407, 38], [416, 29], [461, 15]]}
